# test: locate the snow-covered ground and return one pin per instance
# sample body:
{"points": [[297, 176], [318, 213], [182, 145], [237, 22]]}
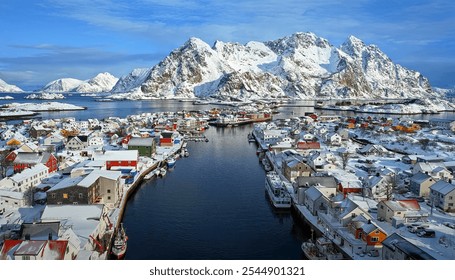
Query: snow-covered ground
{"points": [[39, 107], [45, 96]]}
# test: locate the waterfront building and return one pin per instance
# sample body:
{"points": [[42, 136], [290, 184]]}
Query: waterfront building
{"points": [[145, 146], [396, 247], [118, 159], [27, 160]]}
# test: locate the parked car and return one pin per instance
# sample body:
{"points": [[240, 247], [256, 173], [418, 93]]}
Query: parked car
{"points": [[417, 229], [426, 233], [450, 225]]}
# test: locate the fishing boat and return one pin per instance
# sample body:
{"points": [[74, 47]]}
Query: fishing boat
{"points": [[120, 243], [321, 249], [163, 172], [170, 162], [276, 190], [186, 153]]}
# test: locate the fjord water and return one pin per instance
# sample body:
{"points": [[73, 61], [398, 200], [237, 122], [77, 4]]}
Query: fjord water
{"points": [[213, 205]]}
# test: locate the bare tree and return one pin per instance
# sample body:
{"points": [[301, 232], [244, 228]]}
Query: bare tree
{"points": [[345, 158], [424, 142]]}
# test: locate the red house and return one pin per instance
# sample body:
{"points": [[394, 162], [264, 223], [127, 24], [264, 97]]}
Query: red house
{"points": [[167, 138], [27, 160], [116, 159], [308, 145]]}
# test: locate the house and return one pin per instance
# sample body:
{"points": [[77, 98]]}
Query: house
{"points": [[85, 223], [373, 150], [167, 138], [27, 160], [95, 141], [403, 211], [100, 186], [35, 250], [317, 161], [333, 139], [145, 146], [317, 199], [442, 195], [396, 247], [67, 191], [77, 143], [294, 166], [26, 179], [39, 131], [307, 146], [55, 140], [379, 187], [367, 231], [420, 184], [118, 159]]}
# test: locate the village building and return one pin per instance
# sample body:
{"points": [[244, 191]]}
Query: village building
{"points": [[145, 146], [398, 212], [396, 247], [442, 195], [420, 184], [118, 159], [27, 160]]}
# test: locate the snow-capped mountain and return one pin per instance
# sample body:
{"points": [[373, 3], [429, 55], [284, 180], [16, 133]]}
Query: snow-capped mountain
{"points": [[103, 82], [5, 87], [132, 80], [62, 85], [302, 65]]}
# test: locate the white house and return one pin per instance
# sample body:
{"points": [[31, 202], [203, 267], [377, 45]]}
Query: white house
{"points": [[442, 195]]}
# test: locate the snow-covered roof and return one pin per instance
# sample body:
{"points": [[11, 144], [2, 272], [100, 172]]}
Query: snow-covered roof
{"points": [[94, 175], [396, 241], [29, 172], [83, 219], [130, 155], [141, 141], [11, 194], [420, 177], [443, 187], [66, 183]]}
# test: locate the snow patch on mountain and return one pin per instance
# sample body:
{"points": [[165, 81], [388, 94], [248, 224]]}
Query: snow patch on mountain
{"points": [[302, 66], [103, 82], [5, 87], [62, 85]]}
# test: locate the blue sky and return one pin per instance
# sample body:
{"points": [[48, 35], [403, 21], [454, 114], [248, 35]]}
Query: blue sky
{"points": [[49, 39]]}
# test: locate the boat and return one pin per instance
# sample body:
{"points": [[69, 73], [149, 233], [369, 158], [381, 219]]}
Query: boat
{"points": [[150, 175], [311, 252], [186, 153], [170, 162], [276, 190], [322, 249], [120, 243], [163, 172]]}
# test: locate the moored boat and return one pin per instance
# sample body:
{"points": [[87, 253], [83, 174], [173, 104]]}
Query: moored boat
{"points": [[276, 190], [170, 162], [120, 243]]}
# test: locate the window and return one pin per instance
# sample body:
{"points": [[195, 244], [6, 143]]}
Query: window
{"points": [[374, 239], [81, 195], [450, 204], [65, 195], [108, 191], [450, 198], [108, 198], [53, 195]]}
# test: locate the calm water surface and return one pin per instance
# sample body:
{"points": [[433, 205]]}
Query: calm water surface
{"points": [[213, 205]]}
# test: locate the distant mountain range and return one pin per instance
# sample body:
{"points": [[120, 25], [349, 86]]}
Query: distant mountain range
{"points": [[5, 87], [300, 66]]}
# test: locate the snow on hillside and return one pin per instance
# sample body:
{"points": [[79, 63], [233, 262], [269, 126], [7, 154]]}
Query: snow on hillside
{"points": [[131, 81], [62, 85], [103, 82], [5, 87], [301, 66]]}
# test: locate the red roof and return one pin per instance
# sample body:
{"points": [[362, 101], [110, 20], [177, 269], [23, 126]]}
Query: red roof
{"points": [[308, 145], [58, 249], [410, 204], [7, 246]]}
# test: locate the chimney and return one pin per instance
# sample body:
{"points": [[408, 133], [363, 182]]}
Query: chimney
{"points": [[27, 236], [50, 236]]}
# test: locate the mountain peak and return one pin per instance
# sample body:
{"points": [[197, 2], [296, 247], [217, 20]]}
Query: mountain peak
{"points": [[5, 87]]}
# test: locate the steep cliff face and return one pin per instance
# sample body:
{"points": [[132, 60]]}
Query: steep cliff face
{"points": [[302, 66]]}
